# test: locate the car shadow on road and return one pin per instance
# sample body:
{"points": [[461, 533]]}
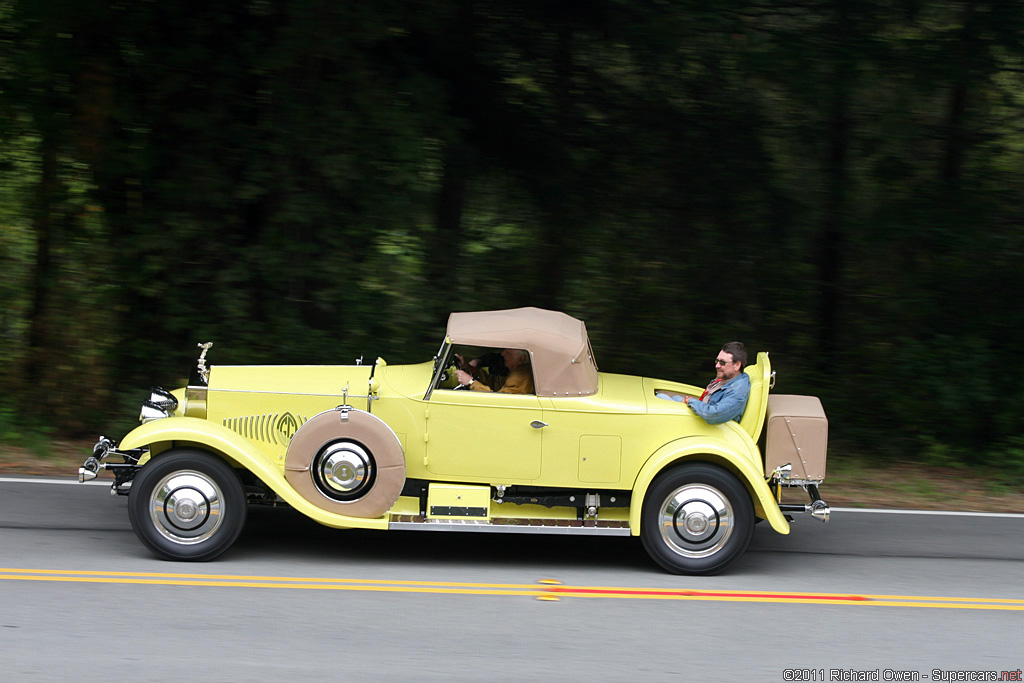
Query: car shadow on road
{"points": [[283, 531]]}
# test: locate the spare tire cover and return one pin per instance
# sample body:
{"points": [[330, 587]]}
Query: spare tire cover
{"points": [[360, 426]]}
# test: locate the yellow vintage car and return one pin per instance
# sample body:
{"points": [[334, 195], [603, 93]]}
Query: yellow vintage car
{"points": [[407, 447]]}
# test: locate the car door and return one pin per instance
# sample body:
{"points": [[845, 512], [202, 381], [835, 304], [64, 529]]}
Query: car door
{"points": [[599, 440], [480, 435]]}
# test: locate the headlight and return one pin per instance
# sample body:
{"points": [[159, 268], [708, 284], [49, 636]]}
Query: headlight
{"points": [[151, 411], [159, 405], [163, 399]]}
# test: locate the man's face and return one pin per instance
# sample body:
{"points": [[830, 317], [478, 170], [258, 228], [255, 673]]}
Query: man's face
{"points": [[512, 357], [725, 366]]}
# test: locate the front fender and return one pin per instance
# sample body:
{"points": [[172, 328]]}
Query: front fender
{"points": [[708, 450], [234, 447]]}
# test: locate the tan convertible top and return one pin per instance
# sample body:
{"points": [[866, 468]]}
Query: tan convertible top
{"points": [[563, 363]]}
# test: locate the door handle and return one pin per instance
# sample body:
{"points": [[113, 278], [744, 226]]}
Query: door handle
{"points": [[537, 424]]}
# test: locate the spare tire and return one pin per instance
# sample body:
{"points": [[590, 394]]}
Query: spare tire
{"points": [[346, 461]]}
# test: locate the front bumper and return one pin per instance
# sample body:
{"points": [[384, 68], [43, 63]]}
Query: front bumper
{"points": [[123, 471]]}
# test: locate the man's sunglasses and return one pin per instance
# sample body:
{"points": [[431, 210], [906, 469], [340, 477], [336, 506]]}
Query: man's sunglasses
{"points": [[719, 361]]}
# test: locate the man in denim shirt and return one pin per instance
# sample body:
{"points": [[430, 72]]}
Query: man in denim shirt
{"points": [[726, 397]]}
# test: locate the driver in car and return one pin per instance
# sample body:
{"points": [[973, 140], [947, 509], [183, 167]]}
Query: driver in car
{"points": [[519, 379], [726, 397], [488, 368]]}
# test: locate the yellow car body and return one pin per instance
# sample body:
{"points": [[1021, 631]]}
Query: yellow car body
{"points": [[402, 447]]}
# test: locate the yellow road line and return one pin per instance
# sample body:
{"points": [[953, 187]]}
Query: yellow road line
{"points": [[808, 596], [242, 577], [257, 584], [541, 590]]}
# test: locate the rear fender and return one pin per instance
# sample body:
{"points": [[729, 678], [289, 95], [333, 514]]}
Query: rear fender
{"points": [[159, 435], [699, 449]]}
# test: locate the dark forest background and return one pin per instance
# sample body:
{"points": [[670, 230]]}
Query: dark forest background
{"points": [[837, 182]]}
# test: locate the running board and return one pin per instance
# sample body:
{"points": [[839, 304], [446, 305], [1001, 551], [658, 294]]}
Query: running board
{"points": [[512, 526]]}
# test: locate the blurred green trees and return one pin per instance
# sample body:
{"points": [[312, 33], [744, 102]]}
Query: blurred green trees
{"points": [[839, 182]]}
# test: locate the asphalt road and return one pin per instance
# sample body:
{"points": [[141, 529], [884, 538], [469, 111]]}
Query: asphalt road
{"points": [[897, 596]]}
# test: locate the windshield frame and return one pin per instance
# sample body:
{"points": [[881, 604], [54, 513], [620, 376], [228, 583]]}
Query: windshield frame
{"points": [[440, 363]]}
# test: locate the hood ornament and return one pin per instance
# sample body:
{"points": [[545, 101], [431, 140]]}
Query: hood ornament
{"points": [[204, 372]]}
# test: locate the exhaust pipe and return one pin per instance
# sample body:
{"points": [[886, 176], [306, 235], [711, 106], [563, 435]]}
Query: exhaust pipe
{"points": [[818, 508]]}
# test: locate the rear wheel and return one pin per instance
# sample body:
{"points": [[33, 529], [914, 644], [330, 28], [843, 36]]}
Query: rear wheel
{"points": [[697, 519], [187, 505]]}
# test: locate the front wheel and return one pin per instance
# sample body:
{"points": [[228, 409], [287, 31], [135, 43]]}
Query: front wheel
{"points": [[697, 519], [187, 505]]}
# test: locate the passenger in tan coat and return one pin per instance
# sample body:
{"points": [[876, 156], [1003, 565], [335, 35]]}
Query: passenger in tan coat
{"points": [[518, 381]]}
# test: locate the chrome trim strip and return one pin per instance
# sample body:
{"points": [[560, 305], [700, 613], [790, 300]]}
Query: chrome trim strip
{"points": [[473, 525], [283, 393], [296, 365]]}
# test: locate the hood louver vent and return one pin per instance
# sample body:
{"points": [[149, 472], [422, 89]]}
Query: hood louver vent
{"points": [[273, 428]]}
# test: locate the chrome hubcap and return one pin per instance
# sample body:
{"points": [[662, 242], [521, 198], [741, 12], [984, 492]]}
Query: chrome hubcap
{"points": [[344, 469], [696, 520], [186, 507]]}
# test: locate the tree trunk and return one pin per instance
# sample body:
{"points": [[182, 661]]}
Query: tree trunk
{"points": [[832, 239], [559, 231], [444, 243], [40, 329]]}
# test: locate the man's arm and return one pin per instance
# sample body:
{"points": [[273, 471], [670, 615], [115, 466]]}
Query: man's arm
{"points": [[730, 406], [519, 381], [467, 380]]}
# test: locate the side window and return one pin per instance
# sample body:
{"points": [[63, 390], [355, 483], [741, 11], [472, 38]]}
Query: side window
{"points": [[505, 371]]}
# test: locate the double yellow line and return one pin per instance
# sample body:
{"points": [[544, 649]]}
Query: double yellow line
{"points": [[545, 589]]}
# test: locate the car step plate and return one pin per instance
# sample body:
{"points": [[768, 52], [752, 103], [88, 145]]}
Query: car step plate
{"points": [[513, 526]]}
